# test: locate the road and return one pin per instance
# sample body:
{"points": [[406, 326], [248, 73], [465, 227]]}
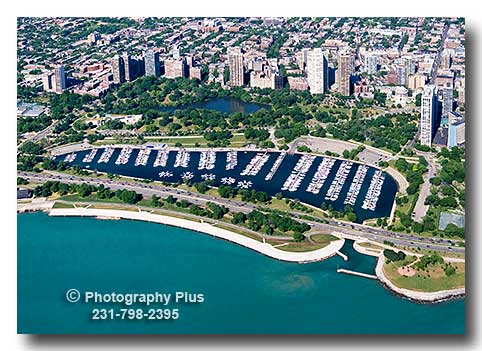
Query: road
{"points": [[360, 230], [420, 208], [40, 135]]}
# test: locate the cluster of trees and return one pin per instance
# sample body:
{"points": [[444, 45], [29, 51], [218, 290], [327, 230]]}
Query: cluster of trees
{"points": [[256, 135], [353, 153], [30, 124], [413, 172], [394, 256], [252, 195], [291, 131], [427, 260], [65, 103], [346, 212], [218, 138], [84, 190], [268, 223], [389, 131], [31, 148], [449, 269]]}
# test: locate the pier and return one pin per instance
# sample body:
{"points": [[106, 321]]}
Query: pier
{"points": [[364, 275], [342, 255], [276, 165]]}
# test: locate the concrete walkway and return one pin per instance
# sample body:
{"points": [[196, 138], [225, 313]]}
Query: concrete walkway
{"points": [[263, 248]]}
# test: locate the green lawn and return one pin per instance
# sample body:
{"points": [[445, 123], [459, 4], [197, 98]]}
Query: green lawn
{"points": [[430, 280], [323, 238], [301, 247]]}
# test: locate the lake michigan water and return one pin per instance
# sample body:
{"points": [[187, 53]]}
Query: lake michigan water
{"points": [[245, 292]]}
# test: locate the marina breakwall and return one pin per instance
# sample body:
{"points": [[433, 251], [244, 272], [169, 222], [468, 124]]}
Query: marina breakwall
{"points": [[263, 248]]}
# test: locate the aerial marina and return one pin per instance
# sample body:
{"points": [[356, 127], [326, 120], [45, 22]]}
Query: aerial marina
{"points": [[255, 165], [124, 156], [340, 178], [161, 158], [233, 165], [320, 175], [299, 172], [356, 185], [276, 165], [90, 156], [70, 157], [165, 174], [106, 155], [228, 180], [142, 157], [207, 159], [374, 191], [182, 158], [231, 160]]}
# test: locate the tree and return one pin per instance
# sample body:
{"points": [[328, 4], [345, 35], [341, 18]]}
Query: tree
{"points": [[31, 148], [238, 217], [394, 256], [298, 237]]}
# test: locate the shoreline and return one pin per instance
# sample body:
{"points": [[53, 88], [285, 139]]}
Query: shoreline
{"points": [[206, 228], [416, 296], [263, 248]]}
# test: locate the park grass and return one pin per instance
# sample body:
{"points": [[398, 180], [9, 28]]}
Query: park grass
{"points": [[62, 205], [430, 280], [323, 238], [302, 247], [370, 246]]}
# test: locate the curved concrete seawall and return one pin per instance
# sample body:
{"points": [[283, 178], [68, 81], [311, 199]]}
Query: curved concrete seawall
{"points": [[263, 248]]}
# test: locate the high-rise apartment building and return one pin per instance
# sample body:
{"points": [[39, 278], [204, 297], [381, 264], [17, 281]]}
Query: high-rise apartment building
{"points": [[402, 75], [317, 71], [59, 83], [152, 63], [175, 68], [129, 70], [48, 81], [302, 58], [428, 115], [344, 73], [371, 64], [118, 74], [416, 81], [266, 75], [236, 67], [447, 103]]}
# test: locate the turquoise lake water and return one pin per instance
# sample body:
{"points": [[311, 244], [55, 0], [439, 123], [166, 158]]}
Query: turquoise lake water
{"points": [[245, 292]]}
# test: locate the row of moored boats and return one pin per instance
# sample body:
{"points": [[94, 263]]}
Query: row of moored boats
{"points": [[337, 183], [298, 173], [374, 190], [207, 161]]}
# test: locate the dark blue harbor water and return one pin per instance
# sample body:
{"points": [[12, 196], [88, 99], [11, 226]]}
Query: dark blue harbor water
{"points": [[224, 105], [272, 187], [245, 292]]}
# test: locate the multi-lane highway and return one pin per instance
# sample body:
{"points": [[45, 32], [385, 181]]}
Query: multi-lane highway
{"points": [[330, 225]]}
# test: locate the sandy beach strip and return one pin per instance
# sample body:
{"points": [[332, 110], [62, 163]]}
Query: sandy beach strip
{"points": [[263, 248]]}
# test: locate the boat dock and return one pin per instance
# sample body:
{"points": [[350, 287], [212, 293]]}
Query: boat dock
{"points": [[364, 275]]}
